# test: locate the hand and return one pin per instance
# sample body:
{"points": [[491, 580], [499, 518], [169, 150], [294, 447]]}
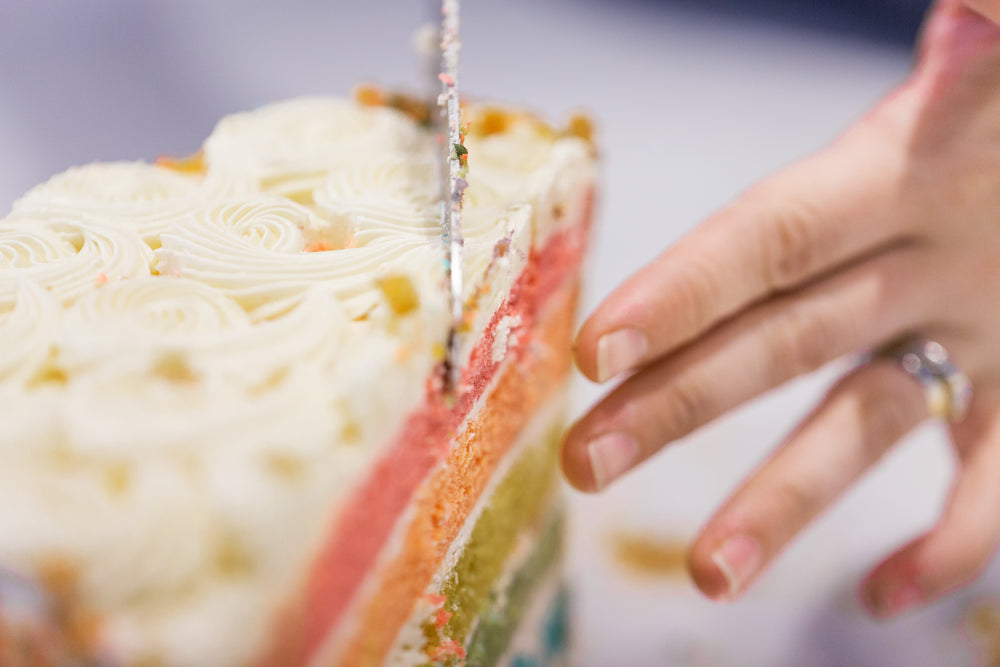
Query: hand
{"points": [[893, 229]]}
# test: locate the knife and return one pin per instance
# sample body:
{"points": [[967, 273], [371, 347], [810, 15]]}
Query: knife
{"points": [[453, 170]]}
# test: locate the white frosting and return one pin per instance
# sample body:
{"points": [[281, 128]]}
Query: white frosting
{"points": [[142, 197], [67, 256], [256, 251], [179, 424], [287, 148], [27, 330]]}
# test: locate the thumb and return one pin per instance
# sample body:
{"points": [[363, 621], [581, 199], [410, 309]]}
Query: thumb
{"points": [[987, 8]]}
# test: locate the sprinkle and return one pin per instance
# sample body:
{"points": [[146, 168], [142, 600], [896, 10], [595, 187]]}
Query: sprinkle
{"points": [[460, 153], [369, 96], [319, 246], [493, 121], [441, 618], [435, 600], [101, 279], [190, 164], [412, 106], [449, 649], [581, 126], [502, 247], [446, 79]]}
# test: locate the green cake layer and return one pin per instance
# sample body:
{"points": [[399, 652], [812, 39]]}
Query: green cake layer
{"points": [[519, 506], [502, 618]]}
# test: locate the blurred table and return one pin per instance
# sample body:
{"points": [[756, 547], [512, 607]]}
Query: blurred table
{"points": [[692, 108]]}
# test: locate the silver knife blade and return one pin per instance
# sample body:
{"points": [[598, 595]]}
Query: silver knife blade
{"points": [[452, 179]]}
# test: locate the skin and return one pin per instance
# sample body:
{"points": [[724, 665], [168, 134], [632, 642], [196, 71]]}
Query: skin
{"points": [[893, 229]]}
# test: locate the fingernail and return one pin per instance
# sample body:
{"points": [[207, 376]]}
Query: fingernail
{"points": [[610, 456], [738, 559], [619, 351]]}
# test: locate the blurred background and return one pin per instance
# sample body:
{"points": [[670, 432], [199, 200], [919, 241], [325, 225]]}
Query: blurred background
{"points": [[695, 100]]}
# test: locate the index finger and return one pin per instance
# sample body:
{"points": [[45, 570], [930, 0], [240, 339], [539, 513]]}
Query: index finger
{"points": [[820, 213]]}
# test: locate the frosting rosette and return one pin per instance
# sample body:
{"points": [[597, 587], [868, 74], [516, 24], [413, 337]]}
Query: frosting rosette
{"points": [[27, 329], [287, 148], [258, 253], [181, 329], [392, 193], [144, 198], [67, 257]]}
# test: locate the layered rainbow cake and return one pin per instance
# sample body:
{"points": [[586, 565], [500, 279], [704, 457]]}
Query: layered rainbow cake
{"points": [[226, 437]]}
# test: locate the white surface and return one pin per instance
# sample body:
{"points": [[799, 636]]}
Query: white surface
{"points": [[690, 112]]}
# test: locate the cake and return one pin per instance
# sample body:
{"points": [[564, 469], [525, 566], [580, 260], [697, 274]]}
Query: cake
{"points": [[227, 436]]}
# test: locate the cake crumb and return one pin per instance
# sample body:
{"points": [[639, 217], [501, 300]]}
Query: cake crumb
{"points": [[285, 466], [351, 432], [319, 246], [580, 126], [232, 558], [400, 293], [369, 95], [649, 556], [188, 164], [492, 121], [174, 367], [118, 478], [49, 374]]}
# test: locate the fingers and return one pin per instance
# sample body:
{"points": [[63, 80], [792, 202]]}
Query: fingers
{"points": [[772, 343], [957, 549], [857, 422], [814, 217], [987, 8]]}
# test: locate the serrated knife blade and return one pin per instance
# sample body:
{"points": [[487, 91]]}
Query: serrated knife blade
{"points": [[454, 160]]}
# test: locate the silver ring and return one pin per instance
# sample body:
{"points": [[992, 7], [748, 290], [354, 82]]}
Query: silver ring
{"points": [[947, 388]]}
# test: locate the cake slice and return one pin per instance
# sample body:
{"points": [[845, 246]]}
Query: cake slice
{"points": [[231, 442]]}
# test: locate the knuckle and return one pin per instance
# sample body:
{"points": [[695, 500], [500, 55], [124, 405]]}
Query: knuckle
{"points": [[804, 340], [684, 409], [788, 243], [697, 295], [963, 563], [795, 502], [884, 413]]}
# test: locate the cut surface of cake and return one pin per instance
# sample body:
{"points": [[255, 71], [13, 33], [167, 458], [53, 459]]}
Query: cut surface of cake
{"points": [[227, 439]]}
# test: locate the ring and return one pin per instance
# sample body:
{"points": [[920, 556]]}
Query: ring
{"points": [[948, 389]]}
